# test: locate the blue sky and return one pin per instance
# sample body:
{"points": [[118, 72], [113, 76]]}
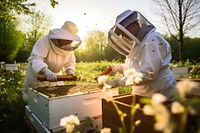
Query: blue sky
{"points": [[94, 14]]}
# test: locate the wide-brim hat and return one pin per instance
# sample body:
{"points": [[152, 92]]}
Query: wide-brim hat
{"points": [[67, 32]]}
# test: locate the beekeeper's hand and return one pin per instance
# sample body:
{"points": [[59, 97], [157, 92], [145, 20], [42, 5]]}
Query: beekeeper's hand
{"points": [[51, 76], [115, 69], [112, 83], [70, 72]]}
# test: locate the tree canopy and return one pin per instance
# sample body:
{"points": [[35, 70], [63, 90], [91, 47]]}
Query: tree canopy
{"points": [[180, 18]]}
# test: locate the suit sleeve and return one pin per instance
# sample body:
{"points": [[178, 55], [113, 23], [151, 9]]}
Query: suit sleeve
{"points": [[39, 52]]}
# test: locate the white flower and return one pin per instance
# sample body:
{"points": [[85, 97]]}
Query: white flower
{"points": [[160, 112], [177, 108], [158, 98], [184, 87], [148, 110], [105, 130], [69, 123], [162, 117]]}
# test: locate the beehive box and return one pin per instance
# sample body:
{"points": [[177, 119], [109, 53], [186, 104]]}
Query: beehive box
{"points": [[180, 72], [11, 67], [50, 104], [38, 126], [110, 117]]}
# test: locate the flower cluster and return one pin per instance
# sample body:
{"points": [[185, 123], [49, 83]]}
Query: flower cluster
{"points": [[160, 112], [182, 106], [69, 123]]}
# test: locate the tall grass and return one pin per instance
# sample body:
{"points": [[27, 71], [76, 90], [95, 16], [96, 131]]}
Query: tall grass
{"points": [[11, 103]]}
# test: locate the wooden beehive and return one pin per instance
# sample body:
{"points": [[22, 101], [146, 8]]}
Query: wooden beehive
{"points": [[110, 117]]}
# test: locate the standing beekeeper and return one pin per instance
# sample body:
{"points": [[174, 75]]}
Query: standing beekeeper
{"points": [[50, 55], [146, 51]]}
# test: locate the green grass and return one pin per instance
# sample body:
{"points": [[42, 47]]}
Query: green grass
{"points": [[11, 103]]}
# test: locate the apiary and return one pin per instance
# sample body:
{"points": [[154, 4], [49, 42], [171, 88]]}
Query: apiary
{"points": [[50, 104]]}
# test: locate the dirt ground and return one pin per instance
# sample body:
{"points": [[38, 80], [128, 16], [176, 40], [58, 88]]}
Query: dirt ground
{"points": [[68, 89]]}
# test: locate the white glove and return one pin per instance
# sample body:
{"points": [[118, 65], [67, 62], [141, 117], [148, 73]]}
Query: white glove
{"points": [[112, 83], [50, 75], [115, 69], [117, 82], [70, 72]]}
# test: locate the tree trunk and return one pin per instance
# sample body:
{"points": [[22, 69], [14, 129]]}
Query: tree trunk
{"points": [[180, 31]]}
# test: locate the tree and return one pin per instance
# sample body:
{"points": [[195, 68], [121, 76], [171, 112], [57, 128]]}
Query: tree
{"points": [[10, 37], [180, 17], [97, 48], [95, 44], [10, 7], [37, 25], [10, 40]]}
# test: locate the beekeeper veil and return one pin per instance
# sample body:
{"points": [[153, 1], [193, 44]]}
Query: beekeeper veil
{"points": [[122, 39], [67, 32]]}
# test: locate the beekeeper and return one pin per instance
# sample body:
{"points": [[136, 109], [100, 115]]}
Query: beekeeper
{"points": [[52, 55], [146, 51]]}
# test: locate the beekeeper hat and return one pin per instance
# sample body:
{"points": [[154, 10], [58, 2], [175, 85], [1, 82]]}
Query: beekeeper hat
{"points": [[70, 27], [68, 31], [126, 18]]}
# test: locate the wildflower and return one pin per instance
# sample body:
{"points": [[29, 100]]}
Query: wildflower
{"points": [[184, 87], [137, 122], [137, 106], [162, 118], [105, 130], [158, 98], [160, 112], [148, 110], [69, 123], [177, 108]]}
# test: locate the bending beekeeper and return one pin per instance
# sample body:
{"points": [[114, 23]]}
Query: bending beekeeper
{"points": [[50, 55], [147, 53]]}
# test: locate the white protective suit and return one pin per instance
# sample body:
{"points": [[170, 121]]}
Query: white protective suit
{"points": [[150, 54], [45, 54]]}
